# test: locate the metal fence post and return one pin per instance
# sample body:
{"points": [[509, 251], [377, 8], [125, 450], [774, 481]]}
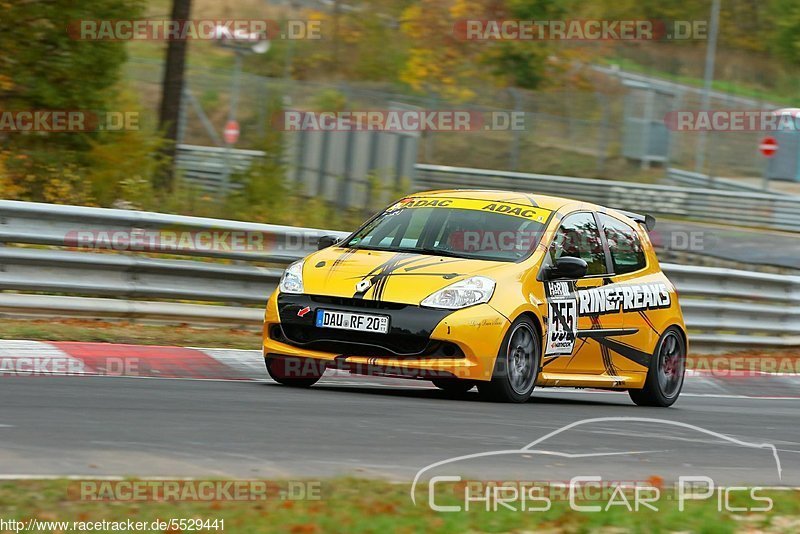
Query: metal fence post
{"points": [[514, 156], [345, 190], [323, 164]]}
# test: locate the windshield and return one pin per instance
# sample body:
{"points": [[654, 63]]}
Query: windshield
{"points": [[464, 228]]}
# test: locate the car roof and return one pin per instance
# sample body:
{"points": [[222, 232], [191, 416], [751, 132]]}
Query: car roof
{"points": [[494, 195]]}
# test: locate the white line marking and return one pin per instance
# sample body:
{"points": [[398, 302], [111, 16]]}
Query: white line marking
{"points": [[248, 362]]}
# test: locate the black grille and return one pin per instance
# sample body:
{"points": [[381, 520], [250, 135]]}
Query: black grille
{"points": [[333, 340], [358, 303]]}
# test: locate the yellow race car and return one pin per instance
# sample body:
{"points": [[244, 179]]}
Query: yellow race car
{"points": [[500, 290]]}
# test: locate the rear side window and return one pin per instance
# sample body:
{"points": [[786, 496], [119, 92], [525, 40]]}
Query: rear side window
{"points": [[579, 237], [627, 253]]}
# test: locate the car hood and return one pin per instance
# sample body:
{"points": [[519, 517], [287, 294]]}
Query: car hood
{"points": [[393, 276]]}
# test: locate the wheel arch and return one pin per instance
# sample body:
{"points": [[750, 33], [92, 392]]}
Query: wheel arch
{"points": [[682, 330], [537, 321]]}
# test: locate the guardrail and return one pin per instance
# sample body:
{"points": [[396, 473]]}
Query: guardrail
{"points": [[723, 201], [752, 209], [682, 177], [54, 268], [204, 166]]}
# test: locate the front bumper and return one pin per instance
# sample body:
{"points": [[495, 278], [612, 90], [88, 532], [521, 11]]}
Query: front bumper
{"points": [[421, 342]]}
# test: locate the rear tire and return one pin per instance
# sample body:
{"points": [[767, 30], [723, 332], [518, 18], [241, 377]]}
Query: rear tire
{"points": [[294, 372], [453, 386], [664, 380], [517, 366]]}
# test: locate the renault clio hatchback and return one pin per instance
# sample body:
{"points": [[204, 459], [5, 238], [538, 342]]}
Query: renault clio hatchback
{"points": [[500, 290]]}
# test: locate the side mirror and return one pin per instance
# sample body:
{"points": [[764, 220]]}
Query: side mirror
{"points": [[569, 268], [327, 241]]}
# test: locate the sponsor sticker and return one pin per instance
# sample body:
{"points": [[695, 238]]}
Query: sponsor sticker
{"points": [[562, 319], [506, 208], [629, 297], [565, 304]]}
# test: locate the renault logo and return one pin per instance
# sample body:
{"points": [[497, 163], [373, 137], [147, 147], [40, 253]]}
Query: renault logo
{"points": [[363, 285]]}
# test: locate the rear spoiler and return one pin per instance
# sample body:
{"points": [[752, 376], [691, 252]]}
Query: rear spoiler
{"points": [[648, 220]]}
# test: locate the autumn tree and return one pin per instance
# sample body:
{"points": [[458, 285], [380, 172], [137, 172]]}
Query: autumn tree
{"points": [[43, 66]]}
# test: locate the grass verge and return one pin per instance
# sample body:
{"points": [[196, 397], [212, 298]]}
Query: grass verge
{"points": [[356, 505], [181, 335]]}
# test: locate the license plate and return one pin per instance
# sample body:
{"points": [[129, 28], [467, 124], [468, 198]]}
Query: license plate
{"points": [[361, 322]]}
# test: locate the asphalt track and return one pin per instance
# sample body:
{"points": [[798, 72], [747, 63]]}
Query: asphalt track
{"points": [[101, 426], [742, 245]]}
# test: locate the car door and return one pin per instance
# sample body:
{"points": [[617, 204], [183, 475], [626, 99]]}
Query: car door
{"points": [[640, 294], [581, 311]]}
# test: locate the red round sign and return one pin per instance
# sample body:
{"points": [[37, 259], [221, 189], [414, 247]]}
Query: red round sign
{"points": [[231, 132], [768, 146]]}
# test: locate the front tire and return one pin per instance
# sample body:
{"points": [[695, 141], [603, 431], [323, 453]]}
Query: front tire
{"points": [[517, 366], [294, 372], [664, 380]]}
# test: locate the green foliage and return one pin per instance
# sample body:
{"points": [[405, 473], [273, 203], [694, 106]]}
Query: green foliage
{"points": [[46, 66], [43, 67], [786, 38], [523, 62], [397, 41], [330, 100]]}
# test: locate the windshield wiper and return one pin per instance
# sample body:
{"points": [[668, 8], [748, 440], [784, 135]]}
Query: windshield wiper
{"points": [[431, 251]]}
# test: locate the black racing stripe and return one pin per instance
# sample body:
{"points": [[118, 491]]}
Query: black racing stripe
{"points": [[548, 362], [338, 261], [595, 333], [388, 271], [608, 361], [649, 323], [346, 254], [379, 276], [604, 354], [633, 354], [375, 277]]}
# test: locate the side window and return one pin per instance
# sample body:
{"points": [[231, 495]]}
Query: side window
{"points": [[578, 237], [626, 249]]}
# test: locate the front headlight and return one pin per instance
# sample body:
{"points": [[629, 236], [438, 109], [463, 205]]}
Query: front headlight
{"points": [[475, 290], [292, 279]]}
